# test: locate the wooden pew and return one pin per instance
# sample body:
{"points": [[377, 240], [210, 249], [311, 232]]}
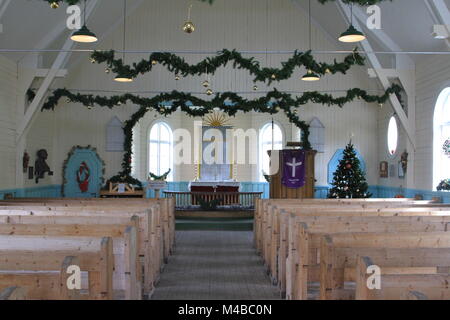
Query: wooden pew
{"points": [[47, 282], [167, 210], [149, 244], [270, 212], [301, 264], [37, 253], [282, 228], [340, 251], [262, 204], [127, 274], [405, 285], [271, 224], [13, 293]]}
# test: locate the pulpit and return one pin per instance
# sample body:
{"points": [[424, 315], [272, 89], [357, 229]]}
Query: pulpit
{"points": [[279, 190]]}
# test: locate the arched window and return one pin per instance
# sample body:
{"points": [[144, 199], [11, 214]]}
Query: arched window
{"points": [[392, 136], [269, 137], [161, 149], [441, 133]]}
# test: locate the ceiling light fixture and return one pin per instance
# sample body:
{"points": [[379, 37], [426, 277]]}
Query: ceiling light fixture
{"points": [[84, 35], [123, 76], [310, 75], [352, 34]]}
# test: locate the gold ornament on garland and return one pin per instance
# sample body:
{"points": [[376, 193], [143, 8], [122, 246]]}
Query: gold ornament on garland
{"points": [[209, 92], [188, 26], [177, 78], [205, 84], [54, 5], [255, 88]]}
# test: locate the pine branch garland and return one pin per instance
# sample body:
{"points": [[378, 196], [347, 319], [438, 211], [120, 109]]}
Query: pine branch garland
{"points": [[229, 102], [209, 65]]}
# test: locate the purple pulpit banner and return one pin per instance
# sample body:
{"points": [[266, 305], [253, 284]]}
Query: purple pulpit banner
{"points": [[294, 169]]}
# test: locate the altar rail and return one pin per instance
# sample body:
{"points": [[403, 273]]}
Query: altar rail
{"points": [[188, 199]]}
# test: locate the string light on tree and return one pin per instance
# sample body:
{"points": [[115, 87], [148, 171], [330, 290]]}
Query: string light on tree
{"points": [[349, 180]]}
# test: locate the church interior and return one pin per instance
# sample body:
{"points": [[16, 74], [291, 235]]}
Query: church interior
{"points": [[225, 150]]}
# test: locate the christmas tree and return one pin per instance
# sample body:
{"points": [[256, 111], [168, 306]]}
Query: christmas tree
{"points": [[349, 180]]}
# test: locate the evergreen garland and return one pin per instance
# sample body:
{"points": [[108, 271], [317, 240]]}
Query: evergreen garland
{"points": [[209, 65], [444, 185], [229, 102], [162, 177], [349, 180]]}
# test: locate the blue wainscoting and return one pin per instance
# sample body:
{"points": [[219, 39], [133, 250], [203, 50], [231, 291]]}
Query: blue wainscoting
{"points": [[51, 191], [390, 192], [54, 191]]}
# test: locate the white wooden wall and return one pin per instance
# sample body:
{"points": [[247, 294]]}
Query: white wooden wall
{"points": [[227, 24], [8, 96], [433, 76]]}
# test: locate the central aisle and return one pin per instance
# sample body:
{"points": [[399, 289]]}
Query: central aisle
{"points": [[219, 265]]}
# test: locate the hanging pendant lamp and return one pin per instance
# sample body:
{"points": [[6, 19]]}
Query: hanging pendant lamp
{"points": [[352, 34], [310, 75], [84, 35], [122, 76]]}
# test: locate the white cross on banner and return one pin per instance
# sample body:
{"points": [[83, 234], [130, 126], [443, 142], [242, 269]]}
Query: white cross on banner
{"points": [[294, 171], [294, 165]]}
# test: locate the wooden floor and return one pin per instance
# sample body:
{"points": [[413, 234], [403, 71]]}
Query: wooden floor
{"points": [[214, 265]]}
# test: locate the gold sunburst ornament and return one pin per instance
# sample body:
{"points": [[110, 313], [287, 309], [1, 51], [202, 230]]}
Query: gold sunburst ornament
{"points": [[216, 119]]}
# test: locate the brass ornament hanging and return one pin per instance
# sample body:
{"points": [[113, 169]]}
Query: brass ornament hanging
{"points": [[188, 26]]}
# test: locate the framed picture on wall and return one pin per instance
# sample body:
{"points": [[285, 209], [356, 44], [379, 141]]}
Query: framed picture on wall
{"points": [[384, 169], [401, 172]]}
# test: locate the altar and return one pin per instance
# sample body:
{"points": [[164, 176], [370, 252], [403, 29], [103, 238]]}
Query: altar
{"points": [[227, 192], [214, 186], [215, 174]]}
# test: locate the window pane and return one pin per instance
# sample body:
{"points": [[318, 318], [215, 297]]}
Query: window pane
{"points": [[160, 149], [154, 133], [266, 144], [392, 136], [165, 134]]}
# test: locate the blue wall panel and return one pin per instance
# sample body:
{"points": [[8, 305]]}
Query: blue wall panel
{"points": [[54, 191]]}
